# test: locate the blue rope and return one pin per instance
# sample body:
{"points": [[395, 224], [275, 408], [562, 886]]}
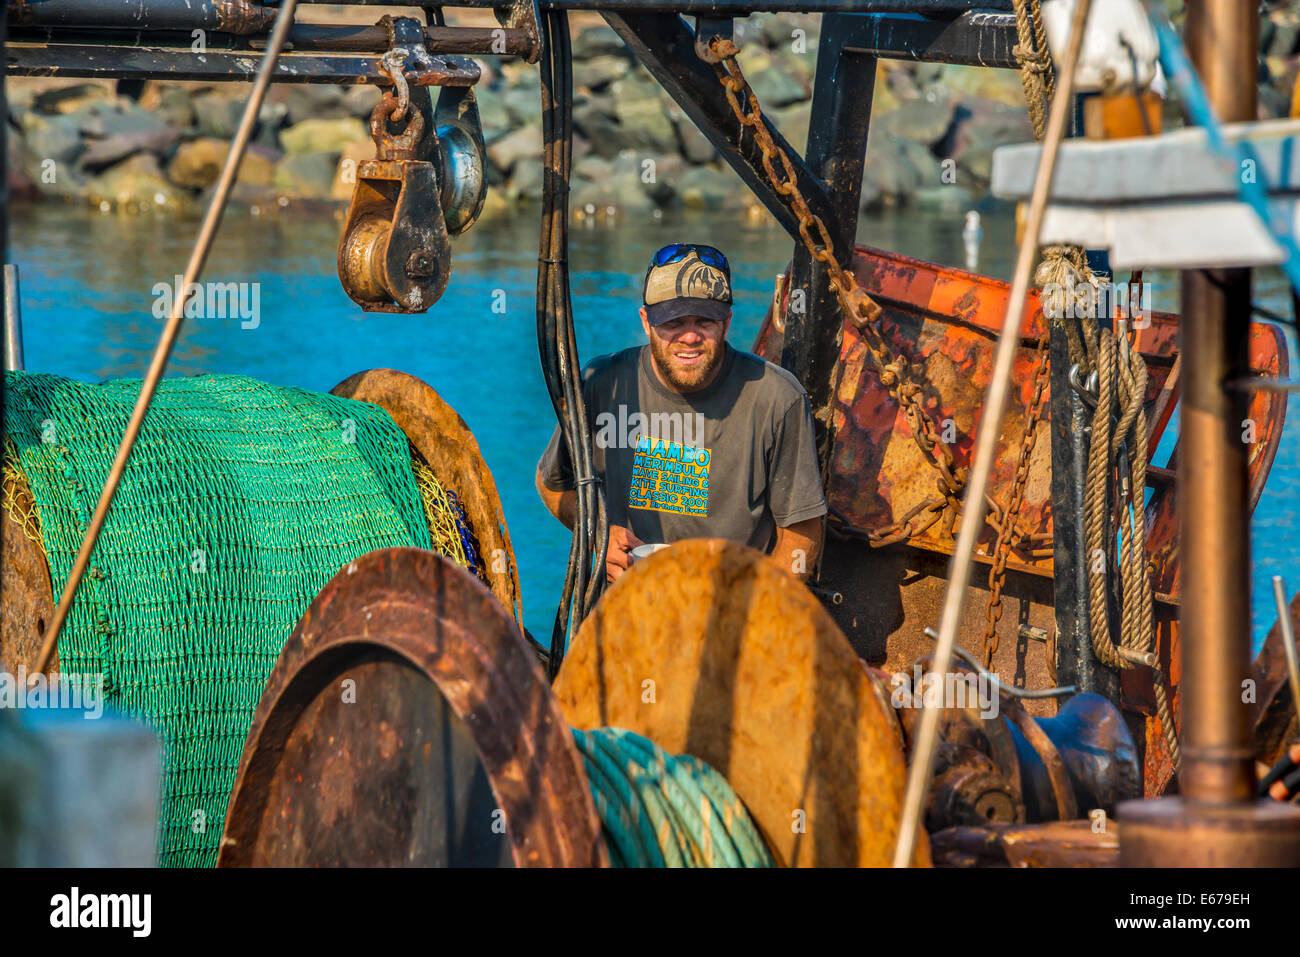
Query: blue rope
{"points": [[663, 810], [1174, 59]]}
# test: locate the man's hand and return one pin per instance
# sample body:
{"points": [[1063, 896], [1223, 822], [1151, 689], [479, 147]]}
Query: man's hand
{"points": [[619, 557], [797, 546]]}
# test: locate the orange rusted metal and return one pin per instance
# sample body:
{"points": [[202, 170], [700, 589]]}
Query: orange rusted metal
{"points": [[945, 321]]}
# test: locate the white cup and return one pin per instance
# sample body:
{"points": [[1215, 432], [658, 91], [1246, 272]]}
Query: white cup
{"points": [[645, 551]]}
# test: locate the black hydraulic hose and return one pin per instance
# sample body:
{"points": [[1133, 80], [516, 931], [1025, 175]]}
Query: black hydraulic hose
{"points": [[557, 344]]}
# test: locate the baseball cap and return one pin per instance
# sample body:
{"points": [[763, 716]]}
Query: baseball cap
{"points": [[687, 280]]}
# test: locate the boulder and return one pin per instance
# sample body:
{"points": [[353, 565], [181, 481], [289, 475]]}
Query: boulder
{"points": [[360, 101], [924, 119], [51, 137], [978, 129], [773, 87], [895, 169], [523, 105], [511, 148], [527, 181], [137, 185], [692, 144], [217, 113], [324, 135], [709, 188], [197, 164], [792, 122], [72, 97], [965, 83], [600, 71], [642, 117], [621, 194], [311, 101], [113, 149], [101, 119], [492, 113], [307, 175], [597, 41], [593, 168]]}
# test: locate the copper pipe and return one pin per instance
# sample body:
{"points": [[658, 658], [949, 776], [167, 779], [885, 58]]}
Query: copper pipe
{"points": [[974, 505], [1213, 492], [167, 341]]}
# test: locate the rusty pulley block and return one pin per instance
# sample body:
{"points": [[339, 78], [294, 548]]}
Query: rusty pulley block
{"points": [[425, 184]]}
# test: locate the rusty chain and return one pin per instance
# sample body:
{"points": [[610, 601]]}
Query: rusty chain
{"points": [[1006, 522], [859, 306]]}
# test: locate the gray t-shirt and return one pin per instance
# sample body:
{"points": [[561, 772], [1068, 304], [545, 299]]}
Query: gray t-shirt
{"points": [[735, 460]]}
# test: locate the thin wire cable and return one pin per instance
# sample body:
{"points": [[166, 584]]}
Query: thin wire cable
{"points": [[167, 341], [975, 505]]}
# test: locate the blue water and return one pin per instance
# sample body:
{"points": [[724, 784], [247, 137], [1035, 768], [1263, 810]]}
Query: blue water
{"points": [[88, 296]]}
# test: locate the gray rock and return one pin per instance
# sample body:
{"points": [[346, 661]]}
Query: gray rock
{"points": [[692, 144], [660, 181], [307, 175], [778, 31], [217, 114], [775, 88], [597, 41], [312, 101], [113, 149], [593, 168], [360, 101], [66, 99], [643, 118], [324, 135], [52, 137], [895, 169], [978, 132], [104, 118], [707, 188], [492, 113], [623, 192], [271, 119], [598, 128], [520, 144], [174, 107], [600, 71], [792, 122], [923, 119], [137, 185], [523, 105], [527, 180]]}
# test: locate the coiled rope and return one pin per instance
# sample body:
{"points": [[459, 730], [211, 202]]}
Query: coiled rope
{"points": [[1121, 390], [663, 810]]}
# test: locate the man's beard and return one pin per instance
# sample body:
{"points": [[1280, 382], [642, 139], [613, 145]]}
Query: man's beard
{"points": [[690, 378]]}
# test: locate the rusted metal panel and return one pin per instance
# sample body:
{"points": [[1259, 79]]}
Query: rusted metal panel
{"points": [[405, 722]]}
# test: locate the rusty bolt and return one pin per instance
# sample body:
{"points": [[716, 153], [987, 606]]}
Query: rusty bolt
{"points": [[419, 265]]}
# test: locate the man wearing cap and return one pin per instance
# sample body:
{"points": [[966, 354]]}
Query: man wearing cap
{"points": [[691, 437]]}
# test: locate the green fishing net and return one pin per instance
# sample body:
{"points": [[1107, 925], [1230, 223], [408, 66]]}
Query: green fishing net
{"points": [[240, 501]]}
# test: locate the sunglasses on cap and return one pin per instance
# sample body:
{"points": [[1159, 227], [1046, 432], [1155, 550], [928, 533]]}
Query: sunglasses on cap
{"points": [[675, 252]]}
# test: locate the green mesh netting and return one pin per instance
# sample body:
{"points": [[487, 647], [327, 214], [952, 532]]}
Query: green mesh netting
{"points": [[240, 501]]}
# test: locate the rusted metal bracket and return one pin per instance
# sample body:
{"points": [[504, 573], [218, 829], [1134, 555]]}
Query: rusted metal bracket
{"points": [[522, 15], [395, 254]]}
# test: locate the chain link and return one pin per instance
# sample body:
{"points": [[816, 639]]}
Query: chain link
{"points": [[1006, 518], [861, 309]]}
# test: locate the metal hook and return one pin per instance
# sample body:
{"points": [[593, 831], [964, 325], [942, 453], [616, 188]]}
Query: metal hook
{"points": [[1086, 392], [391, 63]]}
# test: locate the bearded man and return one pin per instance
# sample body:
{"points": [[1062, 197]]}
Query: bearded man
{"points": [[692, 437]]}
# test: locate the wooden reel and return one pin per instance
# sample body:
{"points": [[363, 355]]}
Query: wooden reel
{"points": [[407, 723], [441, 436], [710, 649]]}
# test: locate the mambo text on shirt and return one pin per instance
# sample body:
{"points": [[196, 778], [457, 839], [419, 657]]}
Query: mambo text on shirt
{"points": [[669, 477]]}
